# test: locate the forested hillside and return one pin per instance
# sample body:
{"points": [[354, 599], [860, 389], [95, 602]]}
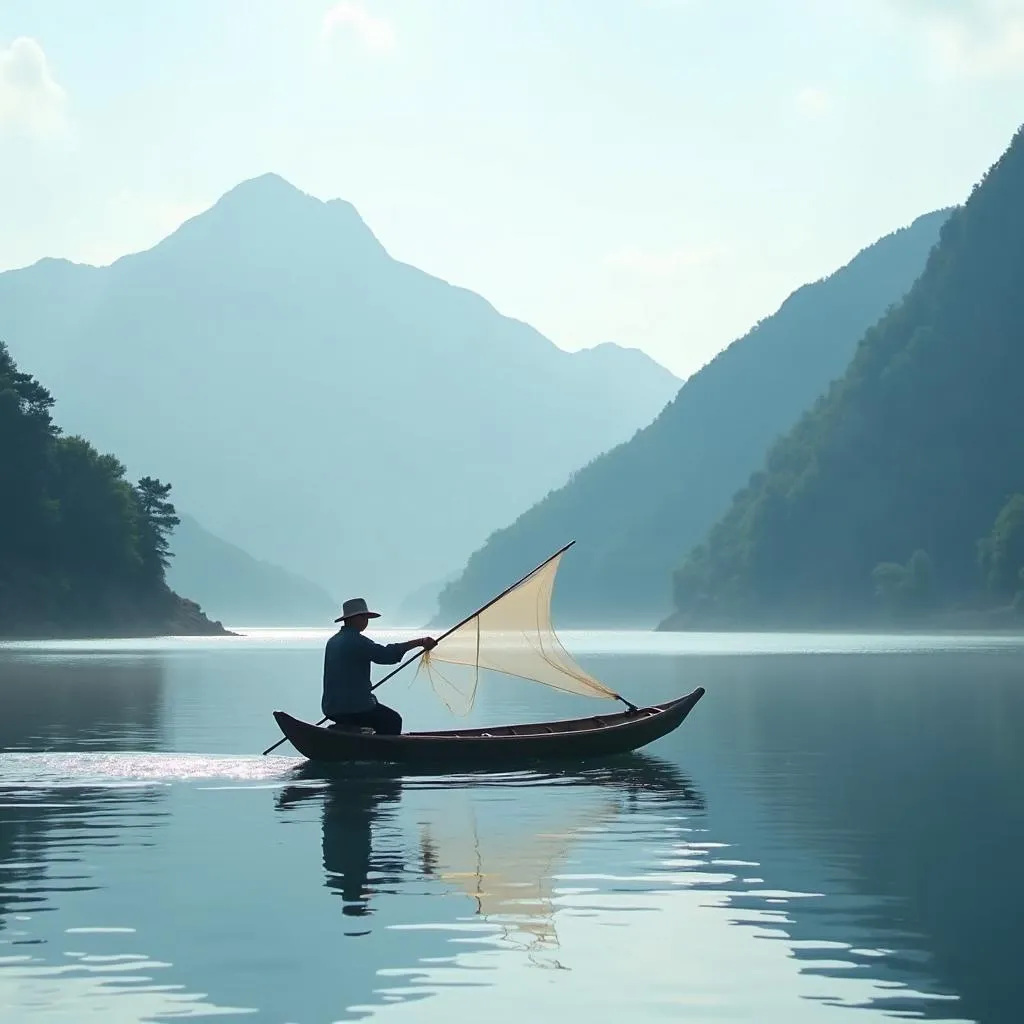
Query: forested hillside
{"points": [[637, 510], [82, 550], [900, 495]]}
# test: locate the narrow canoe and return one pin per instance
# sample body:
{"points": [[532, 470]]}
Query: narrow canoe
{"points": [[572, 740]]}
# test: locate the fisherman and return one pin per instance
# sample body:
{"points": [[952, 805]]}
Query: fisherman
{"points": [[347, 699]]}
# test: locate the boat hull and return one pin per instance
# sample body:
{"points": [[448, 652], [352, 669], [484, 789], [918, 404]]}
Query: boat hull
{"points": [[566, 741]]}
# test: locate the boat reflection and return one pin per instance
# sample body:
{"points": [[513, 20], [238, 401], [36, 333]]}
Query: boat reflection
{"points": [[501, 840]]}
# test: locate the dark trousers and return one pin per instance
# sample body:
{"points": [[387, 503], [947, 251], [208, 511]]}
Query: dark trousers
{"points": [[380, 718]]}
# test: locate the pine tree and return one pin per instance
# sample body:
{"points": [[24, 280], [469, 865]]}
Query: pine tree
{"points": [[158, 522]]}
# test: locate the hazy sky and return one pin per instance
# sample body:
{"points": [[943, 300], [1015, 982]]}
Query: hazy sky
{"points": [[661, 173]]}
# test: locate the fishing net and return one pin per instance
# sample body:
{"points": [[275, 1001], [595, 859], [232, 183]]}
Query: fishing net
{"points": [[513, 636]]}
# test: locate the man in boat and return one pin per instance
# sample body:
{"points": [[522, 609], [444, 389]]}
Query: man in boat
{"points": [[348, 699]]}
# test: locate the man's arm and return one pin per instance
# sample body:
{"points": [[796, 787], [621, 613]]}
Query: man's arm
{"points": [[391, 654]]}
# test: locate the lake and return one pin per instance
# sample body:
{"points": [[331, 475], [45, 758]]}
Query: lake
{"points": [[835, 833]]}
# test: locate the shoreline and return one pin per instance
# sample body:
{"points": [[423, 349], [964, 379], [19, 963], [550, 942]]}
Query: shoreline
{"points": [[115, 634], [1006, 621], [192, 626]]}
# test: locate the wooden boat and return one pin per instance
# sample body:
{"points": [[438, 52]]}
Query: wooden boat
{"points": [[505, 745]]}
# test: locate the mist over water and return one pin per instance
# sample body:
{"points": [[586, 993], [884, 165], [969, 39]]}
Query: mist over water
{"points": [[833, 831]]}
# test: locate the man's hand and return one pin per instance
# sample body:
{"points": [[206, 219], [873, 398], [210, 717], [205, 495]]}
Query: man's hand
{"points": [[428, 643]]}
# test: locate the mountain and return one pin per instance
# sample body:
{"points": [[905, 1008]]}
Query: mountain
{"points": [[237, 588], [82, 550], [594, 367], [421, 605], [326, 407], [636, 510], [897, 497]]}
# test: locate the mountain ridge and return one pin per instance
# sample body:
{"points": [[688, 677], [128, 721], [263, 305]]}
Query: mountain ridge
{"points": [[229, 583], [637, 508], [289, 343]]}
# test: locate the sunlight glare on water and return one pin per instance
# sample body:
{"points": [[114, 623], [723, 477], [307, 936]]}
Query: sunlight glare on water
{"points": [[90, 768]]}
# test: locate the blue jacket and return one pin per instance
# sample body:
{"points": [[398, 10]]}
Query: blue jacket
{"points": [[347, 660]]}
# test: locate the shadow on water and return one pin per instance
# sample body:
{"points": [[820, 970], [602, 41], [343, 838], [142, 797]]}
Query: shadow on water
{"points": [[496, 839], [350, 813], [358, 800]]}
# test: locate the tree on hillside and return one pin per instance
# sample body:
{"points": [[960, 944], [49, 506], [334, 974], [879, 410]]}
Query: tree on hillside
{"points": [[159, 519], [26, 437]]}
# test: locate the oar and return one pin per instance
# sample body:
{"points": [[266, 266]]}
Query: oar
{"points": [[480, 610]]}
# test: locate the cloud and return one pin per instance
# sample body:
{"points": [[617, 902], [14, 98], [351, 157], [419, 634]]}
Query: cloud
{"points": [[374, 34], [975, 38], [31, 101], [668, 263], [813, 100]]}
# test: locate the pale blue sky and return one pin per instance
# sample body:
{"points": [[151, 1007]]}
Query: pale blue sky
{"points": [[661, 173]]}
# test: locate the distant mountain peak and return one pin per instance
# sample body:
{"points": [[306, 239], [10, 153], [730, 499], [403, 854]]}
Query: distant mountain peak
{"points": [[270, 191], [616, 350], [633, 362], [270, 179], [268, 213]]}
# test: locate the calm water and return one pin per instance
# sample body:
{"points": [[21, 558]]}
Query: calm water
{"points": [[835, 833]]}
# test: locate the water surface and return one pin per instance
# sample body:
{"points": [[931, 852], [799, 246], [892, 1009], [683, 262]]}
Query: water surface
{"points": [[833, 834]]}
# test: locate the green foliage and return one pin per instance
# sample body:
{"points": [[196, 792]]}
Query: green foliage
{"points": [[915, 447], [97, 536], [77, 540], [1001, 553], [26, 441]]}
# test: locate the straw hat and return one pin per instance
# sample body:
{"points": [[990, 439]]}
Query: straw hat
{"points": [[356, 606]]}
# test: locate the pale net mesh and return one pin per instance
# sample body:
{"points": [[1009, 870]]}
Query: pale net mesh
{"points": [[514, 636]]}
